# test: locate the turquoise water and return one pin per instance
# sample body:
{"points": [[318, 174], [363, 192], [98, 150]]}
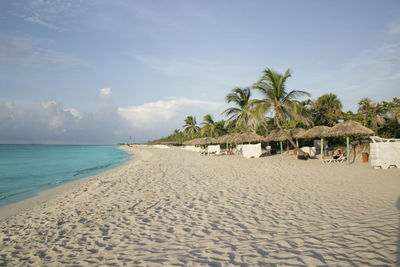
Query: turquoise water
{"points": [[28, 169]]}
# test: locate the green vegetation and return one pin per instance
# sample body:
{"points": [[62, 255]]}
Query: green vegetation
{"points": [[287, 111], [239, 114], [190, 127], [283, 105], [326, 110]]}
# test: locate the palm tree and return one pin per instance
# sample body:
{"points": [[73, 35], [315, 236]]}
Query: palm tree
{"points": [[209, 126], [372, 113], [190, 127], [326, 110], [238, 115], [304, 110], [364, 107], [277, 100], [393, 108]]}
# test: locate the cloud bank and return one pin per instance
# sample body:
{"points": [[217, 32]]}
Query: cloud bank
{"points": [[51, 122]]}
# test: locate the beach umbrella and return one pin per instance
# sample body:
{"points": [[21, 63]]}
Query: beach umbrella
{"points": [[205, 141], [189, 142], [228, 139], [349, 127], [248, 137], [277, 135], [280, 136], [296, 133], [231, 138], [222, 140], [198, 141], [315, 132]]}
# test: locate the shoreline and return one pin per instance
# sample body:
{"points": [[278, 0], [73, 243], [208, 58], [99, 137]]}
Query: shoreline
{"points": [[39, 198]]}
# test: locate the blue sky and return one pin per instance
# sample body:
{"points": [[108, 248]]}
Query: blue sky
{"points": [[99, 71]]}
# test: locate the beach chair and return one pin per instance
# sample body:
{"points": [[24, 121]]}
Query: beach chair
{"points": [[340, 159], [268, 149]]}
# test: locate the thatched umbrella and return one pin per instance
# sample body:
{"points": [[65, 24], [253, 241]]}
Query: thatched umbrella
{"points": [[206, 141], [318, 131], [231, 138], [277, 135], [248, 137], [201, 141], [188, 142], [228, 139], [350, 128], [294, 133], [346, 128], [297, 133], [222, 140]]}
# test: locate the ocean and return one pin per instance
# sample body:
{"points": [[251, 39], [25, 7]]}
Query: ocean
{"points": [[26, 170]]}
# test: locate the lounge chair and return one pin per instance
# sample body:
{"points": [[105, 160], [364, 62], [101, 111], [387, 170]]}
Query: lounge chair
{"points": [[340, 159], [268, 149]]}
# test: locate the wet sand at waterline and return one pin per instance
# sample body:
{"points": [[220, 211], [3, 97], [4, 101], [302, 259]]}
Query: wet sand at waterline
{"points": [[173, 207]]}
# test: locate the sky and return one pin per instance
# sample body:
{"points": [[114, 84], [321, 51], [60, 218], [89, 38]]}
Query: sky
{"points": [[98, 71]]}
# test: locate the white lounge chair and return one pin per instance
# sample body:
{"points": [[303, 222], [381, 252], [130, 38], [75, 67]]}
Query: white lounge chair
{"points": [[340, 159]]}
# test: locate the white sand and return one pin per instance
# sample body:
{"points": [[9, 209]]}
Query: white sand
{"points": [[173, 207]]}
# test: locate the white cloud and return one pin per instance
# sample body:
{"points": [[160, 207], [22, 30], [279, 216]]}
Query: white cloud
{"points": [[74, 112], [169, 113], [50, 122], [105, 91]]}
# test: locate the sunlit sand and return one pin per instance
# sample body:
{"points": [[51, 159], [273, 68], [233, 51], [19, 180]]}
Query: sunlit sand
{"points": [[174, 207]]}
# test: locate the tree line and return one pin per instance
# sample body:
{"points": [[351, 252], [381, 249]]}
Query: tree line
{"points": [[280, 108]]}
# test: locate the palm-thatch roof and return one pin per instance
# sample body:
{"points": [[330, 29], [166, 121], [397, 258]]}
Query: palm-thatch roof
{"points": [[173, 143], [280, 135], [297, 132], [350, 127], [275, 135], [203, 141], [228, 138], [188, 143], [248, 137], [317, 131]]}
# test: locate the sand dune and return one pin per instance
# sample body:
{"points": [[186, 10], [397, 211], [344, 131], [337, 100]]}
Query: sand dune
{"points": [[173, 207]]}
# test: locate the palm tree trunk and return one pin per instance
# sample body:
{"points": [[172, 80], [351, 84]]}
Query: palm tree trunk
{"points": [[287, 147], [375, 126], [299, 151]]}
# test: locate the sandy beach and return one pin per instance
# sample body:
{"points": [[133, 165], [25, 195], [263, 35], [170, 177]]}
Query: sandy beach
{"points": [[176, 208]]}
